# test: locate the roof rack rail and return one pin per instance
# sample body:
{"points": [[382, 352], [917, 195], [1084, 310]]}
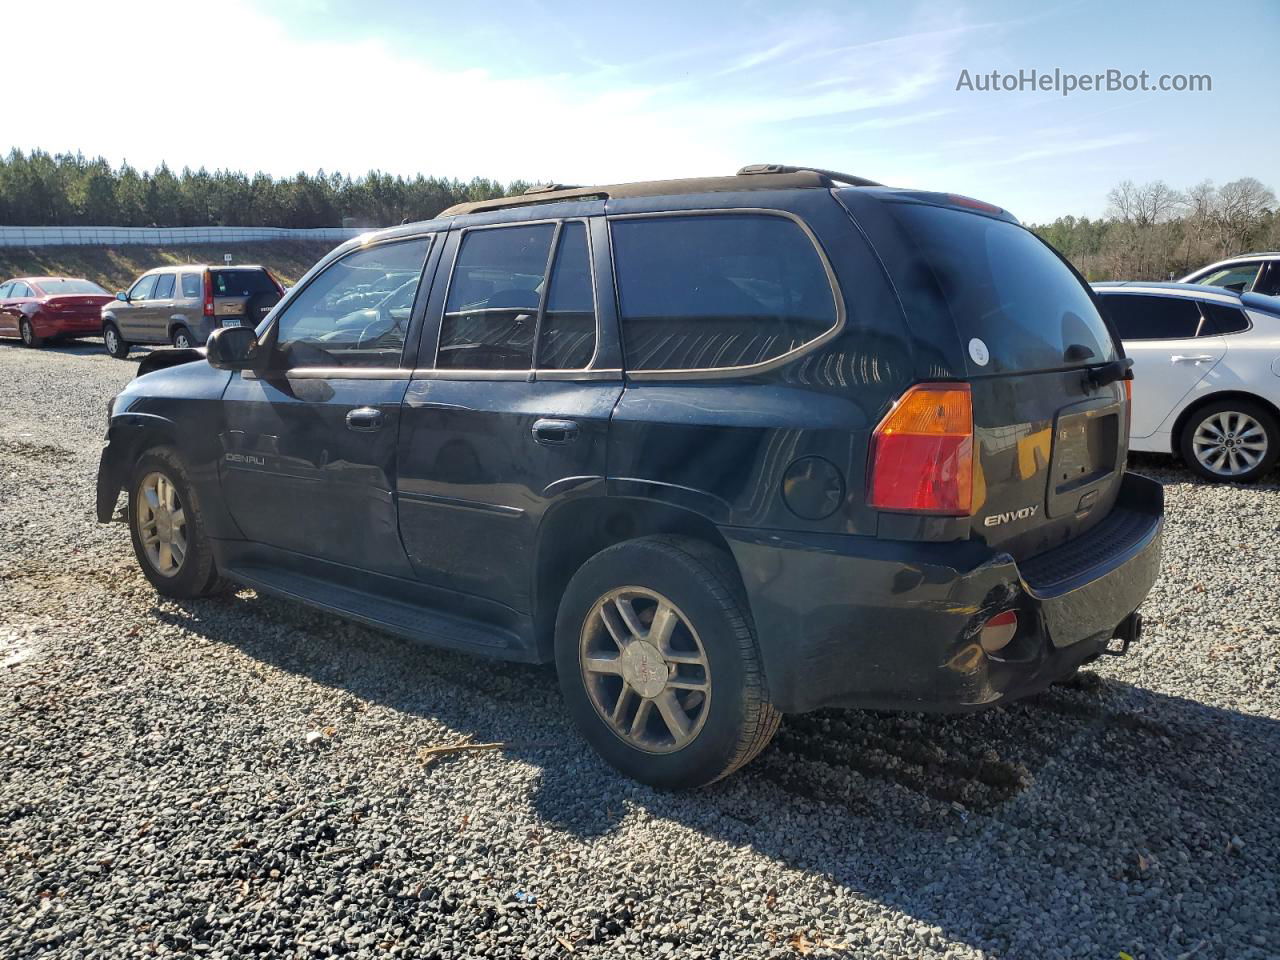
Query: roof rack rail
{"points": [[853, 181], [549, 187]]}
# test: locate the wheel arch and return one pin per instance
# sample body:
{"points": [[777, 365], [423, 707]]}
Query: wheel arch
{"points": [[1175, 435], [579, 528]]}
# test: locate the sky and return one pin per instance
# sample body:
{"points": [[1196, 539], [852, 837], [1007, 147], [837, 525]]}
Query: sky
{"points": [[606, 92]]}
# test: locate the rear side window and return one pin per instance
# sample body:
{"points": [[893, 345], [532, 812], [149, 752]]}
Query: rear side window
{"points": [[1002, 285], [567, 334], [1225, 319], [494, 294], [164, 286], [715, 291], [1239, 277], [241, 283], [1139, 317], [20, 289], [191, 286]]}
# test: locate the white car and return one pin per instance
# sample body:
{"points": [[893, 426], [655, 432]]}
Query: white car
{"points": [[1247, 273], [1206, 365]]}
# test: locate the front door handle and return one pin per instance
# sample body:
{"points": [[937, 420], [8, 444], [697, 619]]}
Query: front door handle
{"points": [[1198, 359], [554, 432], [365, 419]]}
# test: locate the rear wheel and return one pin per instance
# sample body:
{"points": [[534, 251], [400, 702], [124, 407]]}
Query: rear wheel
{"points": [[1232, 440], [182, 338], [167, 528], [115, 344], [658, 662], [28, 334]]}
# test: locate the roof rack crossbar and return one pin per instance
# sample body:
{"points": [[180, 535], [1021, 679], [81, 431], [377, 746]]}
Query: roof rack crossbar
{"points": [[849, 178]]}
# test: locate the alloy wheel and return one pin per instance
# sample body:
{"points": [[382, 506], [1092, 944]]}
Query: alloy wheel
{"points": [[110, 340], [1229, 443], [162, 524], [181, 340], [645, 669]]}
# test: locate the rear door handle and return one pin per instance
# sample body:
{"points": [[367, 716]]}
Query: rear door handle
{"points": [[554, 432], [365, 419], [1178, 358]]}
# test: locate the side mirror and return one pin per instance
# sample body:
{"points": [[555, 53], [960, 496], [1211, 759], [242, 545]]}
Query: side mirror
{"points": [[232, 348], [122, 296]]}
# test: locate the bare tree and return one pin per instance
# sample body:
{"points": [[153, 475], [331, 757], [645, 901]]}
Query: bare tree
{"points": [[1242, 208]]}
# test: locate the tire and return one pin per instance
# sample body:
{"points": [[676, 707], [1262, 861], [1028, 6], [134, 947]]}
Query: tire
{"points": [[194, 574], [182, 338], [115, 344], [727, 725], [28, 334], [1233, 441]]}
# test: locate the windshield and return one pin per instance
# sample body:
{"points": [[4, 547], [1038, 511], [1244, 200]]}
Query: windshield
{"points": [[1003, 286], [60, 286]]}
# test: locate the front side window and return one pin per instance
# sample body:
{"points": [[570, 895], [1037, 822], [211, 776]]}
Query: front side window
{"points": [[1238, 277], [717, 291], [327, 326], [494, 296], [164, 287], [143, 288], [191, 286], [1139, 317], [4, 289]]}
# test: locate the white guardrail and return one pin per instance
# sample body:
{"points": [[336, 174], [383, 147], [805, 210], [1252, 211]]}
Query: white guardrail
{"points": [[164, 236]]}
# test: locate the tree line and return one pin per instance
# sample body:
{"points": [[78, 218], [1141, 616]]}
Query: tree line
{"points": [[40, 189], [1152, 231], [1149, 231]]}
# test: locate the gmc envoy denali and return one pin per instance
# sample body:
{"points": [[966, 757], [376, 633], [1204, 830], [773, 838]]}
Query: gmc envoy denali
{"points": [[721, 449]]}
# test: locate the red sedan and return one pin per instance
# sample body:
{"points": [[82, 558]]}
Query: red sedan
{"points": [[36, 308]]}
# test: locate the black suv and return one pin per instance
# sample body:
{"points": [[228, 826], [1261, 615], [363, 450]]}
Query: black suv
{"points": [[721, 448]]}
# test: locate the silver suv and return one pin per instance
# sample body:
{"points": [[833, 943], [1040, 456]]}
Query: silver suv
{"points": [[183, 305]]}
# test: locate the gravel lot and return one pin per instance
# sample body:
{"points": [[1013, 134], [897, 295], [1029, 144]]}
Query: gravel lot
{"points": [[242, 776]]}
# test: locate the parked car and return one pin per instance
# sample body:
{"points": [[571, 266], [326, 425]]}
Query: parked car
{"points": [[1247, 273], [182, 305], [720, 448], [39, 308], [1207, 374]]}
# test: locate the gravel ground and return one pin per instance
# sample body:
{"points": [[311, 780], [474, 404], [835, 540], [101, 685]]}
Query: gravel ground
{"points": [[242, 776]]}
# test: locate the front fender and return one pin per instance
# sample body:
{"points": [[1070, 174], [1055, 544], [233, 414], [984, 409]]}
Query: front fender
{"points": [[127, 435]]}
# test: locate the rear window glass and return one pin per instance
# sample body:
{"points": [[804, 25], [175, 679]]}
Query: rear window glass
{"points": [[241, 283], [58, 287], [1003, 286], [1138, 317], [715, 291]]}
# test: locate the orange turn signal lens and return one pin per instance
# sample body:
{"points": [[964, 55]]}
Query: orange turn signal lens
{"points": [[922, 452]]}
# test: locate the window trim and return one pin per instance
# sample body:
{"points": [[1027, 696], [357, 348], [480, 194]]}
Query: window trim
{"points": [[724, 373], [399, 371], [436, 372]]}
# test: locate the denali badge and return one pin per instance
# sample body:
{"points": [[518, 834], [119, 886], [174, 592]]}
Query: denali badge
{"points": [[246, 458], [998, 518]]}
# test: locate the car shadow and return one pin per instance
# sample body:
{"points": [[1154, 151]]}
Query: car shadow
{"points": [[1099, 788]]}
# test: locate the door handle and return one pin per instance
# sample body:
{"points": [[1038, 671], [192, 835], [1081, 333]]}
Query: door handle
{"points": [[365, 419], [1178, 358], [554, 432]]}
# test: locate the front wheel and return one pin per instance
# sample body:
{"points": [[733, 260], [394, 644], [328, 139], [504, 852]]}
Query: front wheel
{"points": [[1232, 440], [115, 344], [28, 334], [167, 528], [658, 662]]}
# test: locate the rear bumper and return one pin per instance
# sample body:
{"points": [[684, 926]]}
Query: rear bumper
{"points": [[45, 325], [855, 621]]}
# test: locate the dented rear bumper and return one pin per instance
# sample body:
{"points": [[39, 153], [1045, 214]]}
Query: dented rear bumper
{"points": [[861, 622]]}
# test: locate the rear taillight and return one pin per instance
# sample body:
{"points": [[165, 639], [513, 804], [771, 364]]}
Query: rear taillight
{"points": [[279, 286], [208, 294], [922, 452]]}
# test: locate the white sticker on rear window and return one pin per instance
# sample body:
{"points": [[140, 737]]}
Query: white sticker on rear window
{"points": [[978, 350]]}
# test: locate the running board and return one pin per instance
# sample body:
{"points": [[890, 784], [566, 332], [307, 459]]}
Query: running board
{"points": [[420, 623]]}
